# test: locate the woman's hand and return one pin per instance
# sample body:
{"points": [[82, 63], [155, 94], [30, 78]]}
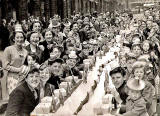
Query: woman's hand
{"points": [[41, 47], [24, 69]]}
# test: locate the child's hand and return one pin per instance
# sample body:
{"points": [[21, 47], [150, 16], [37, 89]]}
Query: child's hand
{"points": [[36, 65], [157, 80], [153, 55]]}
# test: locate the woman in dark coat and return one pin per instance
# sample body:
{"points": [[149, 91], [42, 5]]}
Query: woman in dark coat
{"points": [[33, 47], [48, 43]]}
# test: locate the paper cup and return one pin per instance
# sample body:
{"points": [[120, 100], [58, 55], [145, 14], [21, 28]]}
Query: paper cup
{"points": [[69, 79], [56, 93], [63, 91], [47, 99], [105, 108], [76, 78], [63, 85], [97, 109]]}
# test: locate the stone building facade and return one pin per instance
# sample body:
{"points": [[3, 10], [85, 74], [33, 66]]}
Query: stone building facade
{"points": [[22, 9]]}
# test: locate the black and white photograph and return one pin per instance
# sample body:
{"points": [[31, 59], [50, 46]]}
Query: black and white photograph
{"points": [[79, 57]]}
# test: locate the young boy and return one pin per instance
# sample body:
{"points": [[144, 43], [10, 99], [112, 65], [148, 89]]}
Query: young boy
{"points": [[135, 104], [71, 68], [25, 97]]}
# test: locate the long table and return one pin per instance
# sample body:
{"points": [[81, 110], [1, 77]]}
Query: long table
{"points": [[88, 108], [72, 103]]}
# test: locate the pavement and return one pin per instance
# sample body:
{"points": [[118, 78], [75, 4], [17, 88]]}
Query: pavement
{"points": [[3, 80], [4, 93]]}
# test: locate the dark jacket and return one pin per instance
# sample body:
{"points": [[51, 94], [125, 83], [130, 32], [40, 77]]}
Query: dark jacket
{"points": [[83, 36], [4, 37], [48, 89], [21, 101], [55, 80], [46, 52], [122, 90], [136, 108]]}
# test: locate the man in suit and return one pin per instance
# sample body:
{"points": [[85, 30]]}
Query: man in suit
{"points": [[25, 97]]}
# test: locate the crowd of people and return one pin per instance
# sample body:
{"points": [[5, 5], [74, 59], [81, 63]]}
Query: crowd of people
{"points": [[40, 54]]}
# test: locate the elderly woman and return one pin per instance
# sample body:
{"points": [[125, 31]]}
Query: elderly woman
{"points": [[14, 57]]}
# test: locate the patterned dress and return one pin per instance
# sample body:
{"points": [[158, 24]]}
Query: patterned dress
{"points": [[13, 59]]}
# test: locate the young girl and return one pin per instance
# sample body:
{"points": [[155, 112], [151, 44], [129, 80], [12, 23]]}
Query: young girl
{"points": [[71, 68], [146, 47], [135, 105], [149, 91], [32, 61], [55, 54], [57, 73], [46, 89]]}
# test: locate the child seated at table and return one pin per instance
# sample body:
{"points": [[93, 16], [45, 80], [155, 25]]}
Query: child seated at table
{"points": [[46, 89], [57, 73], [54, 54], [148, 92], [135, 104], [71, 68], [32, 61]]}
